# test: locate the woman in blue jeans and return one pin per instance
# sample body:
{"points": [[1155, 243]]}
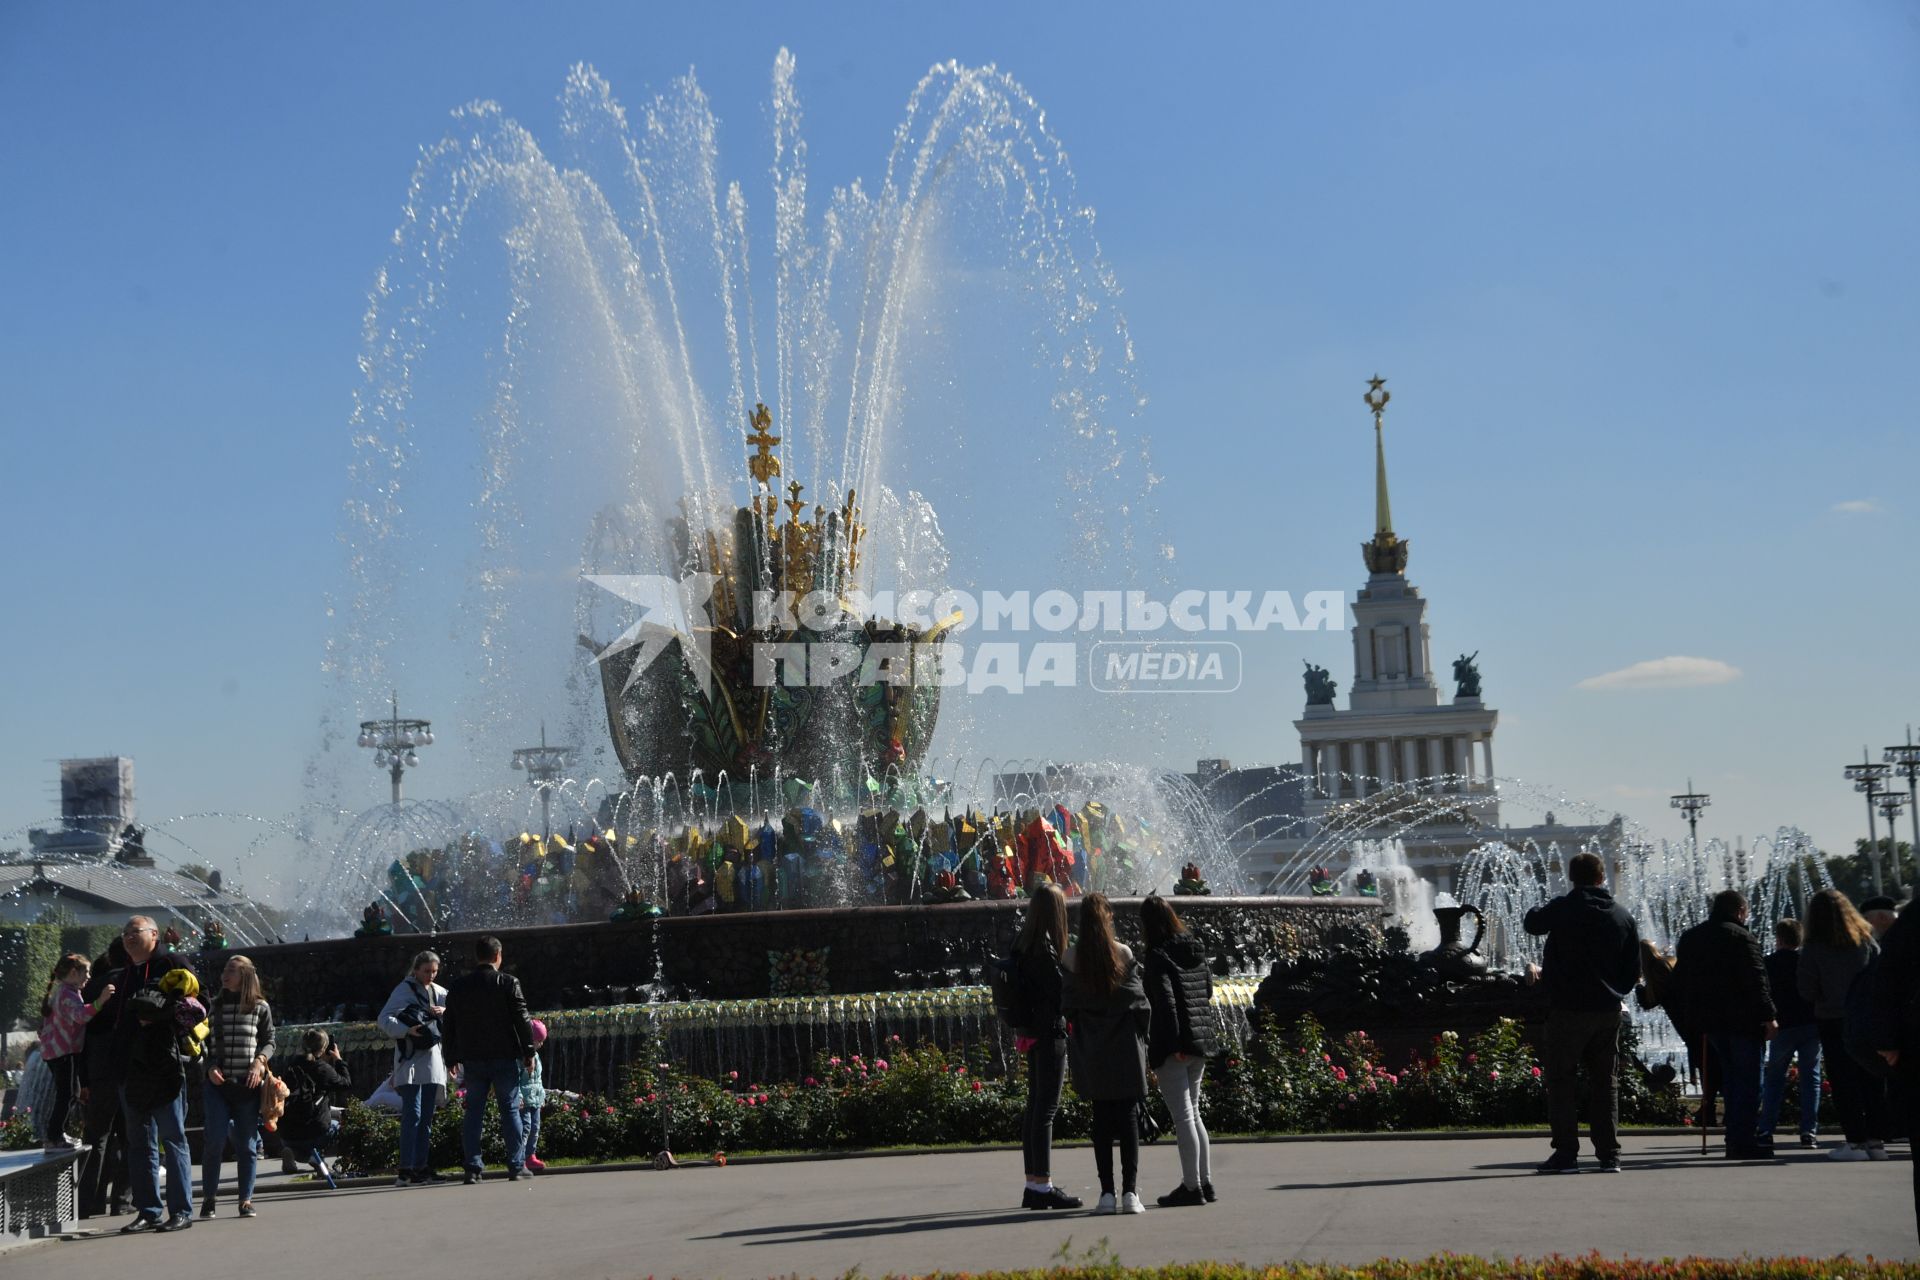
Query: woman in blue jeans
{"points": [[412, 1017], [1797, 1040], [240, 1043]]}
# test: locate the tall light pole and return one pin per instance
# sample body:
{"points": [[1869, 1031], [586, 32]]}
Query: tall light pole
{"points": [[1905, 760], [1690, 803], [544, 765], [1890, 803], [1866, 777], [393, 741]]}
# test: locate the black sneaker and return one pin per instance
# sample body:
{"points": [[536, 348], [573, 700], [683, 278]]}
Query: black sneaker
{"points": [[516, 1173], [178, 1222], [472, 1176], [1609, 1164], [428, 1178], [145, 1222], [406, 1178], [1182, 1197], [1560, 1162], [247, 1210], [1206, 1192], [207, 1209], [1051, 1198]]}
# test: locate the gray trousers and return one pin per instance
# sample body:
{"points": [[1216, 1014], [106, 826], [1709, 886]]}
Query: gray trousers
{"points": [[1180, 1087], [1577, 1040]]}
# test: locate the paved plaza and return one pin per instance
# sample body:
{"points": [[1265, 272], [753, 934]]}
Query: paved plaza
{"points": [[1336, 1201]]}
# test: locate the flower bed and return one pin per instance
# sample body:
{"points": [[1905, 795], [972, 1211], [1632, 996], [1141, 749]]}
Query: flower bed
{"points": [[1296, 1081]]}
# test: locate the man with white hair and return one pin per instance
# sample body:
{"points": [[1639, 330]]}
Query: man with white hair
{"points": [[153, 1096]]}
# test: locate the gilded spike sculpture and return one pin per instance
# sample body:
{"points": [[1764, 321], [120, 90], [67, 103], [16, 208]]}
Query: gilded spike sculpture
{"points": [[757, 713], [1384, 553]]}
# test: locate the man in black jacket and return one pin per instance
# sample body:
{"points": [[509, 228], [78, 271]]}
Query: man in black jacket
{"points": [[1723, 985], [1592, 964], [147, 1074], [487, 1034]]}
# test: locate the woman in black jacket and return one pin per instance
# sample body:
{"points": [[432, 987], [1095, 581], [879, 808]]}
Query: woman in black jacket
{"points": [[1105, 1001], [1041, 943], [1180, 991]]}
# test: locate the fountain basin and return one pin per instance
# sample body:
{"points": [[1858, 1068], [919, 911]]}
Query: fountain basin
{"points": [[867, 950]]}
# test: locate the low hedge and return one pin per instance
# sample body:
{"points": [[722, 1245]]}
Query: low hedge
{"points": [[1293, 1081]]}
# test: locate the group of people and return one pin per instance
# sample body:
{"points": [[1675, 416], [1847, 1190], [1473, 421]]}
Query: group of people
{"points": [[1836, 998], [1122, 1023], [127, 1036], [476, 1031]]}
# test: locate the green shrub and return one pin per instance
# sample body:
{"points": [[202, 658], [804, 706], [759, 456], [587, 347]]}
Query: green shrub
{"points": [[1292, 1081]]}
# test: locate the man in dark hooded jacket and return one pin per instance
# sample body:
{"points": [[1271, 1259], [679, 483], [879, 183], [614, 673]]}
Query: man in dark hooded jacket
{"points": [[1592, 964], [1723, 985]]}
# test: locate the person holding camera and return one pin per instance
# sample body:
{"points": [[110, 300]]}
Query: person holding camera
{"points": [[489, 1036], [412, 1017], [312, 1080]]}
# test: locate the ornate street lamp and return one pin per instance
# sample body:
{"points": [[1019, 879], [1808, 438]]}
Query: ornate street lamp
{"points": [[1890, 803], [394, 741], [545, 766], [1866, 778], [1905, 760], [1690, 803]]}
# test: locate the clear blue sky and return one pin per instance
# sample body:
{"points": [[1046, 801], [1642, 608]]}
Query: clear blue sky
{"points": [[1644, 278]]}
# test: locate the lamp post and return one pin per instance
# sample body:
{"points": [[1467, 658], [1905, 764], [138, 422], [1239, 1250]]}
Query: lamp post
{"points": [[393, 742], [1905, 760], [1690, 803], [1890, 803], [544, 765], [1866, 778]]}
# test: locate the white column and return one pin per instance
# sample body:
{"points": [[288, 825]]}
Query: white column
{"points": [[1409, 765], [1486, 744], [1463, 752]]}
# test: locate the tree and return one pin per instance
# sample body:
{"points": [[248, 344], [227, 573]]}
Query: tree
{"points": [[1853, 874]]}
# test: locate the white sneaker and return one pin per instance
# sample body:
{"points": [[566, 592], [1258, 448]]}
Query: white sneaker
{"points": [[1130, 1202], [1847, 1151], [1106, 1203], [1876, 1151]]}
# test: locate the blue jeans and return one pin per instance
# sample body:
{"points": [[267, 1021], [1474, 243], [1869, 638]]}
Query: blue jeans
{"points": [[1738, 1054], [240, 1113], [530, 1125], [502, 1077], [416, 1124], [1790, 1043], [150, 1134]]}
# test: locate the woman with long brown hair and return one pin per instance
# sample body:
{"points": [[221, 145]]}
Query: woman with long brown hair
{"points": [[1042, 1037], [1839, 946], [237, 1054], [1105, 1001], [1184, 1036]]}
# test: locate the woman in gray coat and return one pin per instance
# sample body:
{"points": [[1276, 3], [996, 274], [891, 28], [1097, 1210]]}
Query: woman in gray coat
{"points": [[412, 1017], [1839, 946], [1105, 1001]]}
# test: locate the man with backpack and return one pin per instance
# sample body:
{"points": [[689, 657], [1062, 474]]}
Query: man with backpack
{"points": [[152, 1081]]}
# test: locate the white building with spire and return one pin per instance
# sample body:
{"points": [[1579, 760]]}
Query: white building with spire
{"points": [[1401, 760]]}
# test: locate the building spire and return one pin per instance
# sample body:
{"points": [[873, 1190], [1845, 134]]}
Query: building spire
{"points": [[1385, 553]]}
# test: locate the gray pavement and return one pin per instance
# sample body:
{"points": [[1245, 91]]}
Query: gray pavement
{"points": [[1333, 1201]]}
